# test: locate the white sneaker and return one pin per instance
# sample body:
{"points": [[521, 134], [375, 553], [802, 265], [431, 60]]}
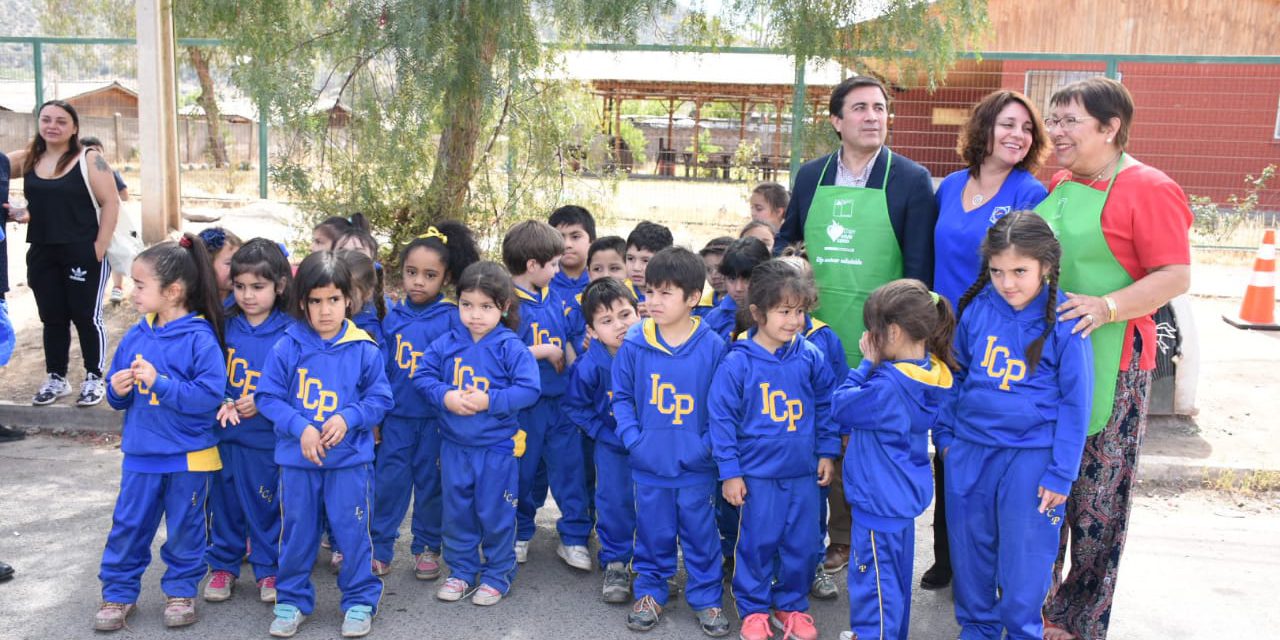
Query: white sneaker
{"points": [[522, 551], [847, 635], [92, 390], [575, 556], [54, 387]]}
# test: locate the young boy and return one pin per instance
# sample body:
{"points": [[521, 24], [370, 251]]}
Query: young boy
{"points": [[531, 252], [610, 310], [604, 260], [578, 229], [740, 257], [712, 254], [644, 241], [661, 376]]}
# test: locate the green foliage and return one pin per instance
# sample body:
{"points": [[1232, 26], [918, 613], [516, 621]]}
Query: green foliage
{"points": [[1219, 223], [705, 149], [744, 157], [634, 137]]}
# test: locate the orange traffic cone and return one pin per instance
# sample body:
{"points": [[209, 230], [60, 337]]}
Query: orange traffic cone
{"points": [[1259, 308]]}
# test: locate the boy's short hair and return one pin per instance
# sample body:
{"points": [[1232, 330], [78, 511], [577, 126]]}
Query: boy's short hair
{"points": [[650, 236], [572, 214], [773, 193], [742, 256], [716, 247], [601, 294], [530, 240], [608, 243], [677, 266]]}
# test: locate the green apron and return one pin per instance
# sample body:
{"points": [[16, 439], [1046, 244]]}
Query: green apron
{"points": [[1074, 211], [853, 250]]}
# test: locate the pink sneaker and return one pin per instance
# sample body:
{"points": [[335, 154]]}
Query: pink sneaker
{"points": [[113, 616], [795, 625], [427, 565], [335, 562], [267, 589], [179, 612], [756, 627], [381, 568], [219, 587]]}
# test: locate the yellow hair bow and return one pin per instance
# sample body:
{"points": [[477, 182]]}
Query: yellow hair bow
{"points": [[433, 232]]}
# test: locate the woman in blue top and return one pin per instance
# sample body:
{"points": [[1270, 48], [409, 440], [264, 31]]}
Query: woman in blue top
{"points": [[1002, 144]]}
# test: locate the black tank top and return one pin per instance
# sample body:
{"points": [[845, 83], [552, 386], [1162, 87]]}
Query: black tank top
{"points": [[61, 211]]}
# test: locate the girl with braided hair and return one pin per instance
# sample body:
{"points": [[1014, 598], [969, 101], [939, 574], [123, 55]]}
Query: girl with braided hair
{"points": [[1013, 433]]}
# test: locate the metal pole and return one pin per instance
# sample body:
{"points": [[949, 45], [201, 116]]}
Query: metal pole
{"points": [[37, 63], [1113, 70], [263, 114], [797, 117]]}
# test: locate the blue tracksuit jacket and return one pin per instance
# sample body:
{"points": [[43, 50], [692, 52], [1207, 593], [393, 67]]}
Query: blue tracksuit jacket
{"points": [[722, 319], [589, 397], [409, 329], [542, 322], [1000, 404], [170, 426], [660, 403], [566, 288], [248, 348], [499, 363], [770, 413], [307, 380], [367, 321]]}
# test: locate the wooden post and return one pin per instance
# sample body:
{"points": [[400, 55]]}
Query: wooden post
{"points": [[617, 133], [742, 123], [697, 124], [117, 130], [777, 131], [157, 106]]}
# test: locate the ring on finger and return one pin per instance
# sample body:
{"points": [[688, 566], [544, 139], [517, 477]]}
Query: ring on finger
{"points": [[1089, 317]]}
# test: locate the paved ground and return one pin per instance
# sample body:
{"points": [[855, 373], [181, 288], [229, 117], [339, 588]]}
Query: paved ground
{"points": [[1199, 565]]}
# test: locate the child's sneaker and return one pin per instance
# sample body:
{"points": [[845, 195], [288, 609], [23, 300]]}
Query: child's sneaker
{"points": [[179, 612], [267, 589], [358, 621], [112, 616], [848, 635], [54, 387], [522, 551], [486, 596], [287, 620], [381, 568], [426, 565], [453, 590], [617, 583], [117, 295], [92, 390], [335, 561], [756, 627], [219, 587], [713, 622], [823, 587], [644, 614], [795, 625], [575, 556]]}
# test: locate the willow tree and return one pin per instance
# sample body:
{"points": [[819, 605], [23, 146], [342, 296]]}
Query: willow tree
{"points": [[446, 96]]}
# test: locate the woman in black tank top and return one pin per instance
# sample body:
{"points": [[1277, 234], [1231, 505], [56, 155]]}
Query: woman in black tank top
{"points": [[68, 240]]}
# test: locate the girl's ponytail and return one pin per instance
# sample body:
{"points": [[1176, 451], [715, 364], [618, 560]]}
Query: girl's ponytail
{"points": [[202, 292], [941, 340], [453, 242]]}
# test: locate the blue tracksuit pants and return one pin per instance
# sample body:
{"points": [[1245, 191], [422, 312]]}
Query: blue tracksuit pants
{"points": [[408, 466], [999, 539], [615, 505], [880, 565], [145, 497], [242, 505], [774, 556], [686, 514], [346, 495], [479, 514], [551, 437], [726, 523]]}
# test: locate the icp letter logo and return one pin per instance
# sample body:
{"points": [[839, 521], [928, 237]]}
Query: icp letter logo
{"points": [[1000, 366], [663, 396]]}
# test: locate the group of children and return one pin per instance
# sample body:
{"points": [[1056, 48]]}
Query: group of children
{"points": [[628, 376]]}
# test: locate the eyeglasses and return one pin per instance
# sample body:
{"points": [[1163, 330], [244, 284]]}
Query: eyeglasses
{"points": [[1068, 123]]}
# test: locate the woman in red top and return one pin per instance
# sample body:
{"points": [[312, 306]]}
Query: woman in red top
{"points": [[1126, 252]]}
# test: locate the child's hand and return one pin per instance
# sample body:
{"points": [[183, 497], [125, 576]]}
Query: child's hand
{"points": [[735, 491], [227, 414], [826, 471], [476, 399], [312, 448], [868, 348], [334, 430], [377, 434], [144, 372], [122, 382], [1049, 499], [455, 402], [642, 310], [551, 353], [246, 407]]}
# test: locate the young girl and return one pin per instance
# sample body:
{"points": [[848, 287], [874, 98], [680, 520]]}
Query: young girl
{"points": [[771, 436], [242, 496], [769, 203], [1013, 438], [323, 388], [762, 231], [326, 234], [168, 377], [739, 259], [479, 377], [887, 406], [368, 304], [222, 244], [408, 461]]}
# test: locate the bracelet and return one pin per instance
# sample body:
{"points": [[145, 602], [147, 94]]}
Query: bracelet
{"points": [[1111, 308], [228, 401]]}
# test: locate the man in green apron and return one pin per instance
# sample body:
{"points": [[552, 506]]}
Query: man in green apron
{"points": [[865, 216]]}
